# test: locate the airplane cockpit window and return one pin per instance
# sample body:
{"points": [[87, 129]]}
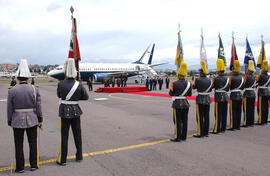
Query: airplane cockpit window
{"points": [[59, 67]]}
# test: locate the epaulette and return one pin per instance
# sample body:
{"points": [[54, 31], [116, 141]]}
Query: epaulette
{"points": [[37, 86], [9, 87]]}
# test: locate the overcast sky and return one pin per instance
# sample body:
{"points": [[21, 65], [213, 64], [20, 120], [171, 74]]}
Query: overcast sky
{"points": [[120, 30]]}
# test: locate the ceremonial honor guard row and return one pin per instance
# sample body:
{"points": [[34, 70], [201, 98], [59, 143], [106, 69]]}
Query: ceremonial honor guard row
{"points": [[241, 91]]}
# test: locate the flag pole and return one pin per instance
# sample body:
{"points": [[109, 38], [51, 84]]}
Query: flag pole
{"points": [[262, 48], [233, 49], [179, 30], [246, 64]]}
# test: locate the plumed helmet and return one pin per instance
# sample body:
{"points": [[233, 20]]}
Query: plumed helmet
{"points": [[251, 66], [204, 67], [220, 65], [265, 66], [236, 66], [70, 69], [183, 69], [23, 70]]}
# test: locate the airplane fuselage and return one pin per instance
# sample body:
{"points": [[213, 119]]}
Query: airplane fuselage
{"points": [[99, 71]]}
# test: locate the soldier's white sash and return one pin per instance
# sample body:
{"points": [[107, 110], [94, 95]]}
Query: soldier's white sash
{"points": [[72, 90]]}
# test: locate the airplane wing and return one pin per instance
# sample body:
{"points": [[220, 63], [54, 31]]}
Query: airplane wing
{"points": [[154, 65]]}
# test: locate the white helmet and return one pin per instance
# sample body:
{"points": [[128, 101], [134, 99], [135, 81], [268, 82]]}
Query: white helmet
{"points": [[23, 70], [70, 69]]}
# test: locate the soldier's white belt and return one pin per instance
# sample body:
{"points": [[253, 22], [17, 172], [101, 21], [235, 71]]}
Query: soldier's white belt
{"points": [[248, 88], [67, 102], [24, 110], [235, 90], [220, 91], [203, 93], [262, 87], [177, 98]]}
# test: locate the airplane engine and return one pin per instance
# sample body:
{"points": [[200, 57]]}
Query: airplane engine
{"points": [[99, 77]]}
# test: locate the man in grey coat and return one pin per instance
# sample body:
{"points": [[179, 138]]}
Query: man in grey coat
{"points": [[24, 114]]}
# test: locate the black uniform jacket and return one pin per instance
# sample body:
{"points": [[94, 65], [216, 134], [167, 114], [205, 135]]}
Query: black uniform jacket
{"points": [[250, 82], [218, 83], [177, 88], [70, 110], [235, 82], [202, 84], [262, 80]]}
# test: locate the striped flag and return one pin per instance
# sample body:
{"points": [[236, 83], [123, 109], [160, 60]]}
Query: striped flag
{"points": [[221, 53], [262, 56], [74, 50], [203, 51], [179, 52], [74, 44], [234, 56]]}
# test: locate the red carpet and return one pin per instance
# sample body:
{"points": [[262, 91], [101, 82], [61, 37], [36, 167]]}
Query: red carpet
{"points": [[121, 89], [168, 96]]}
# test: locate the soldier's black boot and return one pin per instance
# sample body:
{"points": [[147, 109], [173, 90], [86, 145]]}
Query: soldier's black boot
{"points": [[175, 140]]}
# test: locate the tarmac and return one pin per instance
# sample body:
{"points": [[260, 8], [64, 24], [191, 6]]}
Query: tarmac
{"points": [[128, 135]]}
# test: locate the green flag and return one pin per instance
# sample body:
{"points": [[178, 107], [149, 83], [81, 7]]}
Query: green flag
{"points": [[221, 53]]}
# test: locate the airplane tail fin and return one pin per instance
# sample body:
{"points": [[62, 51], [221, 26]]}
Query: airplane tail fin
{"points": [[151, 55], [146, 53]]}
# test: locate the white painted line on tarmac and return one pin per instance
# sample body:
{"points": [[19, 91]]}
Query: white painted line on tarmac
{"points": [[100, 99]]}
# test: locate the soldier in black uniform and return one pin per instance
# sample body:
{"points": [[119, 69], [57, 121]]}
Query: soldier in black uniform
{"points": [[151, 83], [167, 80], [113, 81], [125, 78], [263, 81], [179, 90], [70, 91], [249, 95], [13, 81], [236, 87], [33, 81], [90, 83], [221, 85], [154, 83], [160, 82], [147, 83], [204, 87], [118, 82]]}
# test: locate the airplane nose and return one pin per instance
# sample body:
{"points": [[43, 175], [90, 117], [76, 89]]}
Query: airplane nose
{"points": [[50, 73]]}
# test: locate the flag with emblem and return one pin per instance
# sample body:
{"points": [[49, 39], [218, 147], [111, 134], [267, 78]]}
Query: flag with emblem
{"points": [[74, 51], [221, 53], [234, 55], [261, 56], [248, 55], [203, 51], [179, 52]]}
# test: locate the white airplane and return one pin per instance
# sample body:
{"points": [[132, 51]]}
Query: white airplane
{"points": [[99, 71]]}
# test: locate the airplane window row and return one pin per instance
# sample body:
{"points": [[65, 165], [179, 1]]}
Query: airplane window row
{"points": [[88, 69]]}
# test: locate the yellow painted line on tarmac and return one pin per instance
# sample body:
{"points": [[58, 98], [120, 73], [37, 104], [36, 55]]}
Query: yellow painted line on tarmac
{"points": [[53, 160]]}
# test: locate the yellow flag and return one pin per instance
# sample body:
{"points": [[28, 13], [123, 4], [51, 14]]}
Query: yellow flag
{"points": [[179, 52], [261, 56]]}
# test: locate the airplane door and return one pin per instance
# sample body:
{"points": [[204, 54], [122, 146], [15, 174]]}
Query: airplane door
{"points": [[137, 68]]}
